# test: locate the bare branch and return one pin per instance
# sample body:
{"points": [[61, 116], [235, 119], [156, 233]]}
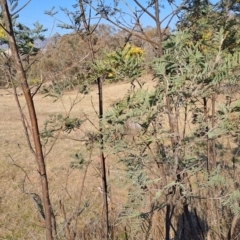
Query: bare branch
{"points": [[21, 8]]}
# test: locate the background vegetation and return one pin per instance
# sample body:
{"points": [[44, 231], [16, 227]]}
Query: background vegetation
{"points": [[121, 131]]}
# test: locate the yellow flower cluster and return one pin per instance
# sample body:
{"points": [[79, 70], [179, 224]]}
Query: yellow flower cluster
{"points": [[30, 45], [133, 51], [2, 33], [206, 35], [115, 59]]}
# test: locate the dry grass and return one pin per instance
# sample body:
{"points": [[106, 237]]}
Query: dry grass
{"points": [[19, 219]]}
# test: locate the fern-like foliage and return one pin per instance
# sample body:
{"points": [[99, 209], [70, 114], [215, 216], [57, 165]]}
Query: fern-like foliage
{"points": [[232, 201], [186, 78], [57, 122]]}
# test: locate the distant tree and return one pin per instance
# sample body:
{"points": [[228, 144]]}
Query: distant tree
{"points": [[128, 16]]}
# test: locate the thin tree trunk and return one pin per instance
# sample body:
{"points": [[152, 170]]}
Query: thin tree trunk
{"points": [[33, 118], [158, 25], [233, 225], [214, 160], [169, 112], [87, 28], [86, 23], [206, 132], [208, 167], [103, 165], [168, 222], [213, 125]]}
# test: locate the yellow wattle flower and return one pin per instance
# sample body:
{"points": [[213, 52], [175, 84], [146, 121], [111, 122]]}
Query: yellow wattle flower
{"points": [[2, 33], [133, 51], [30, 44], [206, 35]]}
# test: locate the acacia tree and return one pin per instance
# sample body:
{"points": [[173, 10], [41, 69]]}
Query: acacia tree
{"points": [[205, 19], [21, 76], [82, 25], [171, 72], [130, 21], [183, 193], [200, 17]]}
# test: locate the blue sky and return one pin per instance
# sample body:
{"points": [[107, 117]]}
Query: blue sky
{"points": [[34, 11]]}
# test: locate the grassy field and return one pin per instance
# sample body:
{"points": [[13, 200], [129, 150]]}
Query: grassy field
{"points": [[18, 172], [19, 177]]}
